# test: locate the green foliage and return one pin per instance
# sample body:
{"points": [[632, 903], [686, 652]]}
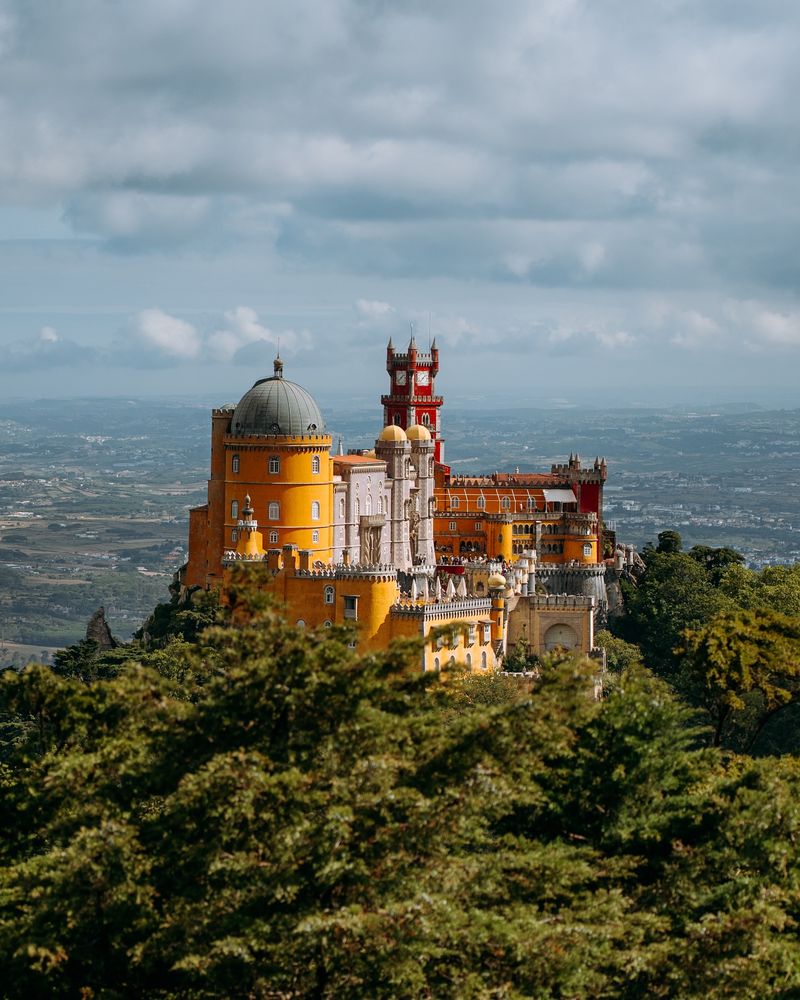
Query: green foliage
{"points": [[285, 819], [743, 668], [716, 561], [674, 594], [620, 655], [669, 542], [775, 588], [184, 620]]}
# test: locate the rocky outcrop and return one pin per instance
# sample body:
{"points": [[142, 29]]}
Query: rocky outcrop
{"points": [[99, 632]]}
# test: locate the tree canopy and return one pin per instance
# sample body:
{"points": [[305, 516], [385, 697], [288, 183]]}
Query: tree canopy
{"points": [[267, 814]]}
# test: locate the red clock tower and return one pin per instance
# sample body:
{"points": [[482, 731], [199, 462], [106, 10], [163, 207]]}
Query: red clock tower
{"points": [[411, 398]]}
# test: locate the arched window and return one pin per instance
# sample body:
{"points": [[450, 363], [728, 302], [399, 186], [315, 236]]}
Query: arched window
{"points": [[341, 508], [357, 507], [234, 509], [468, 661], [315, 511], [531, 503], [234, 463], [300, 623], [505, 503], [327, 623], [455, 503], [431, 467], [368, 504], [483, 660], [274, 511], [315, 536], [330, 595], [426, 420], [234, 535], [315, 465], [436, 664], [481, 502], [273, 537], [274, 464], [381, 505]]}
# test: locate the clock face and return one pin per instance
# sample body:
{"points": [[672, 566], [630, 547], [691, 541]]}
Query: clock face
{"points": [[423, 378], [400, 378]]}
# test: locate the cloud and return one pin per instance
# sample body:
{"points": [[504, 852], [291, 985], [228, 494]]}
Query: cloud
{"points": [[566, 143], [243, 329], [167, 335], [48, 351], [371, 311]]}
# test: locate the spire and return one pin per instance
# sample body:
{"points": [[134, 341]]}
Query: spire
{"points": [[341, 449], [390, 345], [433, 345], [277, 365]]}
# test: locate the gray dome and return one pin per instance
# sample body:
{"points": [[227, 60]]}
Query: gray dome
{"points": [[276, 406]]}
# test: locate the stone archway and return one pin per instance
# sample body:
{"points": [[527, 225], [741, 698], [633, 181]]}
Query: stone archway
{"points": [[560, 636]]}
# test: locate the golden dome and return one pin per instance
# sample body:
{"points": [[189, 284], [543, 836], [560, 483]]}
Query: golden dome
{"points": [[496, 581], [391, 432], [418, 432]]}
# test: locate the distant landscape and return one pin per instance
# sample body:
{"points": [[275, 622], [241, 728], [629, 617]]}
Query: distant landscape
{"points": [[95, 493]]}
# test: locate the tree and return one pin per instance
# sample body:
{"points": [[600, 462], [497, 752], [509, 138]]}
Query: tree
{"points": [[620, 655], [669, 542], [304, 822], [716, 561], [672, 595], [742, 668]]}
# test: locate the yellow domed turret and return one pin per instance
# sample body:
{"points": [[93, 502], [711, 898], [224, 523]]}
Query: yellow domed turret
{"points": [[418, 432], [392, 432], [496, 581]]}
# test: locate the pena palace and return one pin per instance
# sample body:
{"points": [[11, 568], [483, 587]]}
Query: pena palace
{"points": [[390, 539]]}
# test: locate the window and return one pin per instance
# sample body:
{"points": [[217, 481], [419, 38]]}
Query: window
{"points": [[357, 506], [300, 623], [436, 665], [468, 661], [234, 509], [397, 419], [455, 503], [368, 504], [381, 505], [274, 464], [234, 535], [531, 504], [426, 420], [487, 634], [235, 464], [330, 595], [505, 503], [483, 660], [481, 503], [274, 511], [273, 537], [453, 526], [351, 607], [587, 550], [315, 536], [327, 623], [479, 525], [315, 465], [471, 635], [315, 511]]}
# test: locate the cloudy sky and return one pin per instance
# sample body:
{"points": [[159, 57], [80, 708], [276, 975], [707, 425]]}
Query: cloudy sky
{"points": [[578, 198]]}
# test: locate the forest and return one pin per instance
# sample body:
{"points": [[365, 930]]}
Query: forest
{"points": [[259, 811]]}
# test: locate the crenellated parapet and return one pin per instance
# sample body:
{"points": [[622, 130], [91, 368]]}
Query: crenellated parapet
{"points": [[439, 610]]}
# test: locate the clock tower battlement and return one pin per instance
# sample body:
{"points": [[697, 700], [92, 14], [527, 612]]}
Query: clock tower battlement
{"points": [[411, 398]]}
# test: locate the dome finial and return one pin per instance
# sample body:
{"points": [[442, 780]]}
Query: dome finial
{"points": [[277, 365]]}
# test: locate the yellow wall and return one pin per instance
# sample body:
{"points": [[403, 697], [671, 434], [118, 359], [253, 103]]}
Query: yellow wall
{"points": [[295, 487]]}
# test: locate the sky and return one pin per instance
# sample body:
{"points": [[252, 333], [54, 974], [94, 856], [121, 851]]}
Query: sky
{"points": [[581, 200]]}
